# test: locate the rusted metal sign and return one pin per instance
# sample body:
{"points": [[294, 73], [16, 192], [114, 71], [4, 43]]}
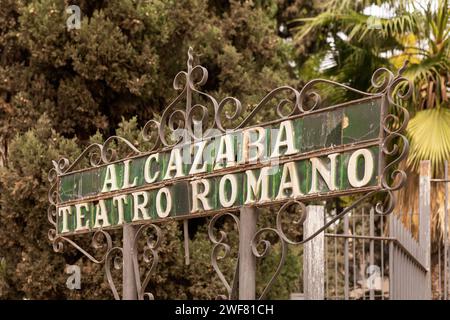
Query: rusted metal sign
{"points": [[326, 153]]}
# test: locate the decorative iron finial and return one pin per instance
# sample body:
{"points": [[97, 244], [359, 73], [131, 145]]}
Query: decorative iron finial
{"points": [[190, 60], [403, 68]]}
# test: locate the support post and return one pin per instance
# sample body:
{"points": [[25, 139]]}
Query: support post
{"points": [[424, 219], [129, 290], [247, 261], [314, 255]]}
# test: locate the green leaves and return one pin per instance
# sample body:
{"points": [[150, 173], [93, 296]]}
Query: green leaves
{"points": [[413, 31], [429, 133], [42, 28], [119, 65]]}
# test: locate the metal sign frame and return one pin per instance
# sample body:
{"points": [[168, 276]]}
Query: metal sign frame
{"points": [[393, 148]]}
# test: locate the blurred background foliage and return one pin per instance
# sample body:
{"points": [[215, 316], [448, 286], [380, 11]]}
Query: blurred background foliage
{"points": [[61, 89]]}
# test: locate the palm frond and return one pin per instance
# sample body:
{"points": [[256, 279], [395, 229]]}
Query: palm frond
{"points": [[311, 24], [429, 134]]}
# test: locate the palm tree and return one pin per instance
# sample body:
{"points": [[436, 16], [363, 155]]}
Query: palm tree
{"points": [[365, 35]]}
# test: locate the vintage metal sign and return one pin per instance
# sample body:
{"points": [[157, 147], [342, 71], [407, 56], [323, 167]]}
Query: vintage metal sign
{"points": [[326, 153], [209, 158]]}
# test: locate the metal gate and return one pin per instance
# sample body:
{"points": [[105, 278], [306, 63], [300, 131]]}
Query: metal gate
{"points": [[386, 257], [409, 263], [369, 257]]}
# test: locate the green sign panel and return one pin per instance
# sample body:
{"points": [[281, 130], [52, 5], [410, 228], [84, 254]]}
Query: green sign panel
{"points": [[313, 156]]}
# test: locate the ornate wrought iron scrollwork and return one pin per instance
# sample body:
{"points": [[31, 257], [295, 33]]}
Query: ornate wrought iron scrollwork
{"points": [[96, 153], [221, 243], [150, 256], [285, 239], [395, 146], [150, 133], [190, 115], [93, 152], [299, 221], [100, 239], [237, 112], [110, 154], [113, 260], [175, 116], [266, 248]]}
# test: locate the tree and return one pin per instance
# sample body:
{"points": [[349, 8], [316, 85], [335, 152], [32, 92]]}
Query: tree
{"points": [[410, 30], [60, 89]]}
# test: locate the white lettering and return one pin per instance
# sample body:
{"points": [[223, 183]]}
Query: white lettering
{"points": [[352, 169]]}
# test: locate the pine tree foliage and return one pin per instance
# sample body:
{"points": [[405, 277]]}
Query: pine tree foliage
{"points": [[60, 89]]}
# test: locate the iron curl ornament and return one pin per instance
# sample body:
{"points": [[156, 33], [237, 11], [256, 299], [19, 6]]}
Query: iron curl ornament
{"points": [[222, 245], [184, 120], [262, 248], [113, 260], [150, 256], [194, 115]]}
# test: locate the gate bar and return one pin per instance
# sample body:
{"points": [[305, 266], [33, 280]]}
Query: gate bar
{"points": [[129, 289], [314, 255]]}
